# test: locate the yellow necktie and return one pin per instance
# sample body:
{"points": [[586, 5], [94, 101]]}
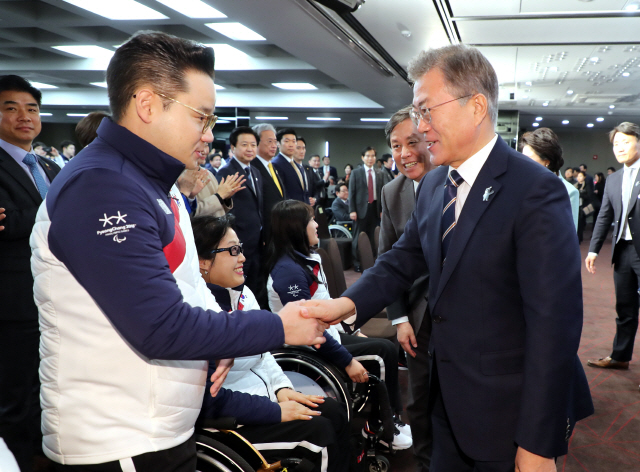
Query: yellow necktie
{"points": [[298, 172], [275, 179]]}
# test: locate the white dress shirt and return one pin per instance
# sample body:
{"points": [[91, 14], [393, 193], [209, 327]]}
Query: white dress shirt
{"points": [[366, 178], [469, 171], [630, 173]]}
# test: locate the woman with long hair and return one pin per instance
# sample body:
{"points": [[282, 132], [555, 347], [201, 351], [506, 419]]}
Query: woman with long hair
{"points": [[295, 273], [279, 421]]}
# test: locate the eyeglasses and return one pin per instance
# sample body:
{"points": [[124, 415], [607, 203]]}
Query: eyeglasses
{"points": [[209, 120], [425, 113], [235, 250]]}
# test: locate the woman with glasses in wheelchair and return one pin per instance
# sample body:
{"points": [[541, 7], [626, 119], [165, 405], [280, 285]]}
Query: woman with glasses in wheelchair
{"points": [[295, 273], [256, 392]]}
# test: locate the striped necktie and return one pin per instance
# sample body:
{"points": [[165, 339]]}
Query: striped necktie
{"points": [[32, 163], [295, 166], [449, 210]]}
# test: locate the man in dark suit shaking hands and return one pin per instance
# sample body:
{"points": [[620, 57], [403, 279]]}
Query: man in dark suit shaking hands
{"points": [[24, 182], [495, 232], [619, 205]]}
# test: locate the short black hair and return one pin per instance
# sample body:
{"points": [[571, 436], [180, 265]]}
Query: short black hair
{"points": [[340, 185], [87, 127], [15, 83], [66, 143], [157, 59], [300, 138], [208, 231], [233, 137], [544, 143], [611, 168], [39, 143], [583, 165], [284, 131], [626, 127], [368, 148]]}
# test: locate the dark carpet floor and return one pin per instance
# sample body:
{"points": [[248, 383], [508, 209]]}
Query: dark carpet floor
{"points": [[608, 441]]}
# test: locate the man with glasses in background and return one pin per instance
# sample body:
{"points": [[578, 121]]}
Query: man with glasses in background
{"points": [[128, 325], [495, 233]]}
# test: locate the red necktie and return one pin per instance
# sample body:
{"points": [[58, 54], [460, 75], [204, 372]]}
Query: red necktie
{"points": [[370, 186]]}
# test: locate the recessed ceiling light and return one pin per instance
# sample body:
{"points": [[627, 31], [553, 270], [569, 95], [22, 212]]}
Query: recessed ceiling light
{"points": [[118, 9], [236, 31], [632, 7], [322, 118], [524, 97], [222, 122], [545, 104], [565, 122], [528, 83], [40, 85], [380, 120], [612, 106], [295, 86], [46, 114], [595, 59], [589, 125], [77, 114], [625, 74], [193, 8], [599, 119], [272, 117], [90, 52], [535, 124], [569, 92], [538, 118], [218, 87], [553, 69], [99, 84]]}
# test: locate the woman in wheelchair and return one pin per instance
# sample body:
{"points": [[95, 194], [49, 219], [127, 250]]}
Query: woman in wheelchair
{"points": [[295, 273], [276, 419]]}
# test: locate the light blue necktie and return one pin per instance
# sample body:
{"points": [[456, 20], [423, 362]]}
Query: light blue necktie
{"points": [[32, 164]]}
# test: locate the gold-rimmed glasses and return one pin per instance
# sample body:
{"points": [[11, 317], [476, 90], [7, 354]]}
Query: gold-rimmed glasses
{"points": [[425, 113], [209, 120]]}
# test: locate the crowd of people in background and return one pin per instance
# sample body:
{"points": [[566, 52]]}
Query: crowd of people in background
{"points": [[227, 238]]}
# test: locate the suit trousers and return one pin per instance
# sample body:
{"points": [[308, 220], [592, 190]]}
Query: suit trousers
{"points": [[418, 405], [20, 390], [367, 225], [626, 278], [447, 455], [181, 458]]}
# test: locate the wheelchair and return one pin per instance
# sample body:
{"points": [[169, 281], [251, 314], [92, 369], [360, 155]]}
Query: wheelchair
{"points": [[312, 375], [220, 448]]}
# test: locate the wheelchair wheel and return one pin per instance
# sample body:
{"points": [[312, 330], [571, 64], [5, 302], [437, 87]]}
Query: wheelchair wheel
{"points": [[312, 375], [213, 456]]}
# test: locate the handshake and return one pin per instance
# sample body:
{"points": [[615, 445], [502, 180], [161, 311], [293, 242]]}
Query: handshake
{"points": [[304, 322]]}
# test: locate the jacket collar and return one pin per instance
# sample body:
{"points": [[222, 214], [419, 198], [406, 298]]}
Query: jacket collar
{"points": [[153, 162]]}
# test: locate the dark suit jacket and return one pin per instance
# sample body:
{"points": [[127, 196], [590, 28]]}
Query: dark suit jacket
{"points": [[271, 194], [21, 200], [506, 307], [340, 210], [611, 212], [398, 202], [358, 191], [290, 178], [247, 208], [317, 185]]}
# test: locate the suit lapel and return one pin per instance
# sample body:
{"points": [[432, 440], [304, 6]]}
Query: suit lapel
{"points": [[434, 223], [407, 198], [474, 207], [635, 191], [18, 173]]}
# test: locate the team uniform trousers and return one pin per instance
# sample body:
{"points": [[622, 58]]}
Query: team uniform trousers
{"points": [[324, 437], [181, 458], [626, 278], [367, 225], [380, 357]]}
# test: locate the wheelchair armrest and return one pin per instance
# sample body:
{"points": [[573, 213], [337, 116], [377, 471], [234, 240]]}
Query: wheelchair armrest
{"points": [[225, 422]]}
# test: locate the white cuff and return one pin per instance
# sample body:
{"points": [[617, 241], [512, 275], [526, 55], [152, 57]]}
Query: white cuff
{"points": [[402, 319]]}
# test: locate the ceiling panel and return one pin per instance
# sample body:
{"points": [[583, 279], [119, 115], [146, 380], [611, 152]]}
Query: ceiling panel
{"points": [[545, 31], [556, 6], [484, 8]]}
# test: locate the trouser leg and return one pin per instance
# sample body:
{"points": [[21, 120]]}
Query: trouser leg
{"points": [[418, 406], [20, 390], [626, 280], [324, 440], [380, 357]]}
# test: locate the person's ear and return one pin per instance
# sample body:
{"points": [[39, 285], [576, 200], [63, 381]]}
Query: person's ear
{"points": [[146, 104], [480, 107], [205, 265]]}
